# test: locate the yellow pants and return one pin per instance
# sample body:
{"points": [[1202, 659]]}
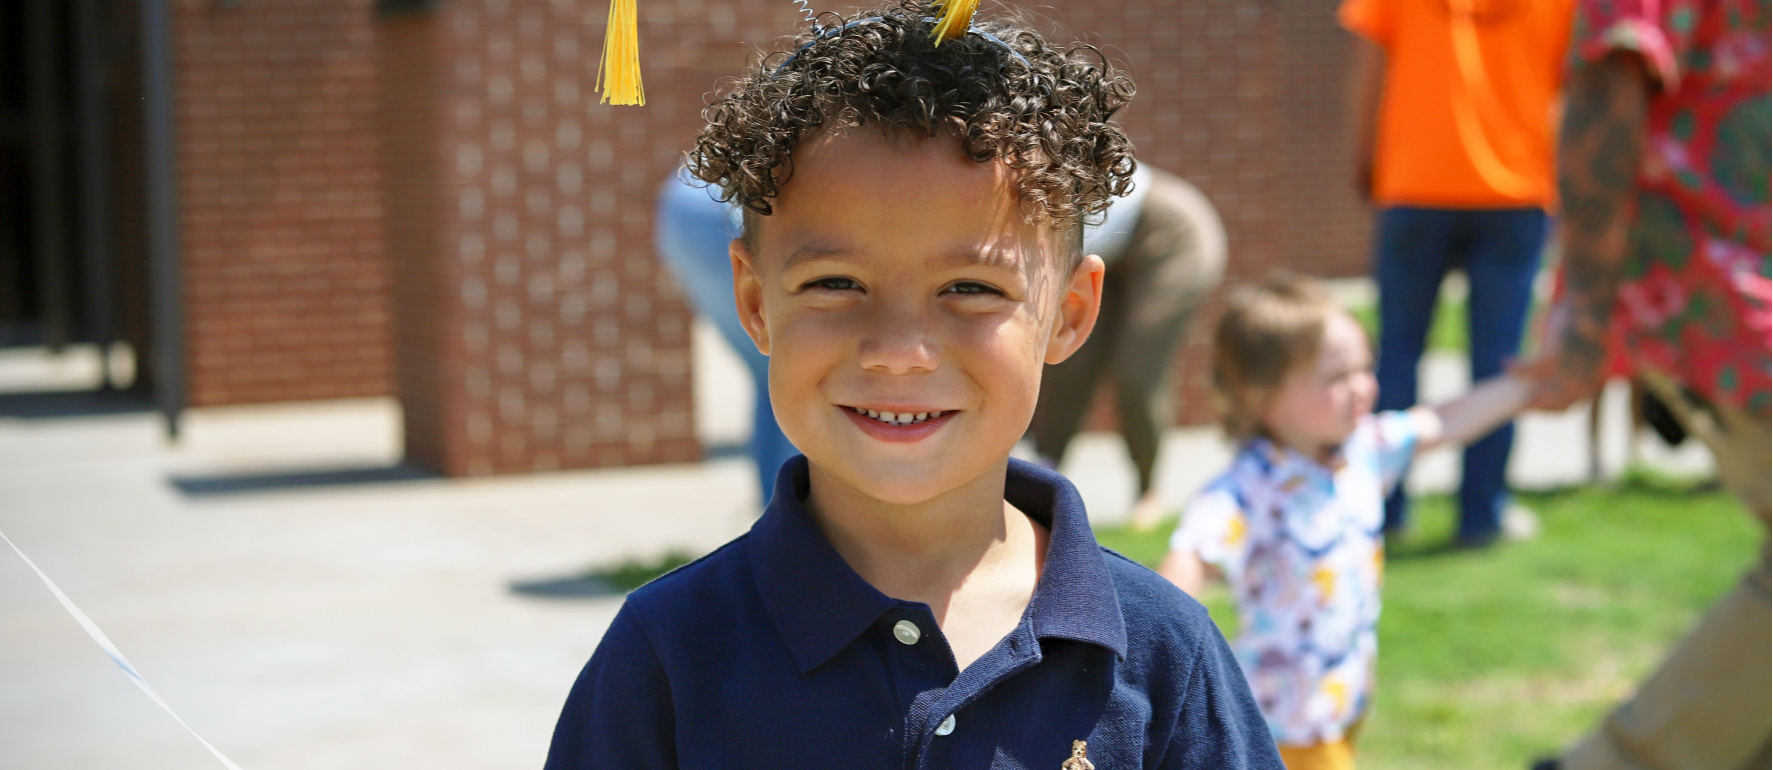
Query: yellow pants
{"points": [[1335, 755]]}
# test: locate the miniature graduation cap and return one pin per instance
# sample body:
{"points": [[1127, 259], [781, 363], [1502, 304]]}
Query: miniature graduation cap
{"points": [[618, 75]]}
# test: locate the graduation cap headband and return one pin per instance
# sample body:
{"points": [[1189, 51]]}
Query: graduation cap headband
{"points": [[618, 75]]}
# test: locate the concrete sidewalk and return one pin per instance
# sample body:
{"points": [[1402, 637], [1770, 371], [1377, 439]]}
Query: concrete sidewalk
{"points": [[305, 602]]}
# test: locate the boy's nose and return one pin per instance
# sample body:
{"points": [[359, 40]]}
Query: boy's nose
{"points": [[898, 343]]}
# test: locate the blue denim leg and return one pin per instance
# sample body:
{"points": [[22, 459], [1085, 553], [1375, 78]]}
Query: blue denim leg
{"points": [[691, 233], [1414, 247], [1502, 260]]}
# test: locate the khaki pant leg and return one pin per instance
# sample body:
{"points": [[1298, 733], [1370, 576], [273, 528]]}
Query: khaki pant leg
{"points": [[1067, 389], [1174, 260], [1707, 706], [1762, 759], [1741, 443]]}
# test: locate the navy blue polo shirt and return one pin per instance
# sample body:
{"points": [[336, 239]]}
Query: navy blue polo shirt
{"points": [[771, 652]]}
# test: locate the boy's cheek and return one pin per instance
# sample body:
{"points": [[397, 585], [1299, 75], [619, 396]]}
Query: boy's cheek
{"points": [[813, 335], [1014, 333]]}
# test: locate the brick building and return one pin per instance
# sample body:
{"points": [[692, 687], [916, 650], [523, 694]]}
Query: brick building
{"points": [[278, 200]]}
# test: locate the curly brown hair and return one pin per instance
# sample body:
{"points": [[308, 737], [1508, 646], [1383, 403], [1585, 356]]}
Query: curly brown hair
{"points": [[1007, 95]]}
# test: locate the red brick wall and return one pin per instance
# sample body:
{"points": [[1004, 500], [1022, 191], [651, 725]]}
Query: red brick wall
{"points": [[536, 329], [285, 279], [411, 162], [1325, 227]]}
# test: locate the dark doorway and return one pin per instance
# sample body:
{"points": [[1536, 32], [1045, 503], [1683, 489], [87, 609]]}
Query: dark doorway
{"points": [[65, 68]]}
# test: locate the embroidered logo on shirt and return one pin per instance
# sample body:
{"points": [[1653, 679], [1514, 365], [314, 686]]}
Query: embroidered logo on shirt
{"points": [[1078, 761]]}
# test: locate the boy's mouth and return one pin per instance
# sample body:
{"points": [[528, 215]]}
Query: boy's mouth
{"points": [[899, 427], [898, 419]]}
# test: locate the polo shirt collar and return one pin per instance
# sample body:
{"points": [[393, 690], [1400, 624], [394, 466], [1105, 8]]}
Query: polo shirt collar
{"points": [[1075, 598], [820, 605]]}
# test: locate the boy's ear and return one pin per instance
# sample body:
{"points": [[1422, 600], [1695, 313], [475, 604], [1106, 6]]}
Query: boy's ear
{"points": [[1079, 303], [748, 295]]}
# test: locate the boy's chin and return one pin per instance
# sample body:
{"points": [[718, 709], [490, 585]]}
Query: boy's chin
{"points": [[901, 482]]}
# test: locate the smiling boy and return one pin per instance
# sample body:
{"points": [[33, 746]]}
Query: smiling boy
{"points": [[913, 597]]}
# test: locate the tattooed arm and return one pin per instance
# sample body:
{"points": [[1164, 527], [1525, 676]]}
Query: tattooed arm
{"points": [[1599, 149]]}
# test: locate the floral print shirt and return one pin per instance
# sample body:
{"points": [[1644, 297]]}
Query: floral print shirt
{"points": [[1694, 301], [1301, 546]]}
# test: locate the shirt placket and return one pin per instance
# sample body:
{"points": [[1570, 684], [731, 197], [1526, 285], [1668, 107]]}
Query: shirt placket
{"points": [[920, 663], [943, 726]]}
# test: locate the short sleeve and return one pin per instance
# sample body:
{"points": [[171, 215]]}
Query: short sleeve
{"points": [[1660, 31], [1215, 528], [1395, 445], [1374, 20], [619, 713], [1221, 726]]}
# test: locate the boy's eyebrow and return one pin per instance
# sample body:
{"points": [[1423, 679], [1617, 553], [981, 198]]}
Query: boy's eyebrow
{"points": [[1004, 259], [813, 252], [1007, 259]]}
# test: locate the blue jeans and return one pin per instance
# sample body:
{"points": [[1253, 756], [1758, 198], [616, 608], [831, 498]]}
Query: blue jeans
{"points": [[691, 233], [1499, 250]]}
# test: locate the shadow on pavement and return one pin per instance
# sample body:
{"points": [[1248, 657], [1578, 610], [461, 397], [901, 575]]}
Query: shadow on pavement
{"points": [[54, 404], [248, 483], [571, 587], [614, 580]]}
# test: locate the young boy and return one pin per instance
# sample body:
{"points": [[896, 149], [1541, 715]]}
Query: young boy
{"points": [[1295, 525], [911, 597]]}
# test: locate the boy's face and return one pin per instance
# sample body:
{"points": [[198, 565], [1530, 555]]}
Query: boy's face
{"points": [[1321, 402], [897, 276]]}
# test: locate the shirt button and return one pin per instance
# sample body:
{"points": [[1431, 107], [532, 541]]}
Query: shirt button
{"points": [[907, 632], [946, 727]]}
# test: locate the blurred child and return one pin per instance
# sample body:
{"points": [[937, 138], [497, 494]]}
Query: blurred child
{"points": [[1295, 524]]}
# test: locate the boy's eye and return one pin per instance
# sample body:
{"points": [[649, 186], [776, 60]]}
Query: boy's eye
{"points": [[973, 288], [832, 284]]}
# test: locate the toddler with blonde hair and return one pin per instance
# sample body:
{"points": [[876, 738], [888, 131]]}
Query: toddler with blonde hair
{"points": [[1294, 525]]}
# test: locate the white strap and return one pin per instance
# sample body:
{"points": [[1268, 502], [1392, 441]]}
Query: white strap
{"points": [[110, 649]]}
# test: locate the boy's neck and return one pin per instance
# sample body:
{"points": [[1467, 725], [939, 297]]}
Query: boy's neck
{"points": [[966, 550]]}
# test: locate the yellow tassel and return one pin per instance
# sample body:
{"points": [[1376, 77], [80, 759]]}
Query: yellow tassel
{"points": [[618, 76], [957, 18]]}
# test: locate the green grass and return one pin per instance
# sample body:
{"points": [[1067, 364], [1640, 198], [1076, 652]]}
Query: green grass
{"points": [[632, 574], [1488, 659]]}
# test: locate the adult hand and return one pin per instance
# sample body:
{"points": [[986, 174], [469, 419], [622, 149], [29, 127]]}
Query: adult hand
{"points": [[1562, 374]]}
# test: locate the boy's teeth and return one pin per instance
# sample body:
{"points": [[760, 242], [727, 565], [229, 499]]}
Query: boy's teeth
{"points": [[898, 418]]}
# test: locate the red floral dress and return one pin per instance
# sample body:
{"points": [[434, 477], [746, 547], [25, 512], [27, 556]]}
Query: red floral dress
{"points": [[1694, 304]]}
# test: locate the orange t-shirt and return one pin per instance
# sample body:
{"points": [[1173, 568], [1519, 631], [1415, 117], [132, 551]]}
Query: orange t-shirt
{"points": [[1467, 116]]}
